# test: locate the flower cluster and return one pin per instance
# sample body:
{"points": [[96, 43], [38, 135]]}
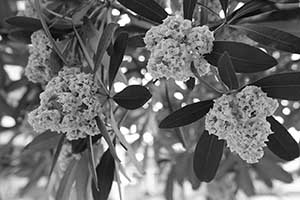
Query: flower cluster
{"points": [[174, 45], [240, 119], [223, 188], [38, 68], [69, 105]]}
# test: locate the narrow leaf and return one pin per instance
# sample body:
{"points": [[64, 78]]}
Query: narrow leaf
{"points": [[104, 42], [56, 154], [227, 72], [188, 8], [117, 56], [105, 172], [136, 41], [245, 58], [82, 177], [282, 86], [132, 97], [26, 23], [146, 8], [91, 158], [77, 16], [271, 37], [45, 141], [207, 156], [244, 180], [281, 142], [187, 114]]}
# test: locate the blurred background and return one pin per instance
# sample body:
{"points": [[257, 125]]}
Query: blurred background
{"points": [[168, 164]]}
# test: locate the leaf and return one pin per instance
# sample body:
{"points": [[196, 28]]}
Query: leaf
{"points": [[27, 23], [244, 181], [190, 83], [77, 16], [227, 72], [56, 154], [169, 188], [260, 171], [82, 177], [282, 86], [117, 56], [91, 159], [146, 8], [271, 37], [224, 4], [274, 171], [207, 156], [20, 36], [105, 172], [104, 42], [245, 58], [132, 97], [80, 145], [281, 142], [136, 41], [45, 141], [65, 185], [188, 8], [187, 114]]}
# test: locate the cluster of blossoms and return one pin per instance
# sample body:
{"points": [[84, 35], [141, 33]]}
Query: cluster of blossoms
{"points": [[38, 68], [223, 188], [240, 119], [174, 45], [68, 105]]}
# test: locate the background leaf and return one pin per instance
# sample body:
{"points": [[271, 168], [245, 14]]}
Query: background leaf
{"points": [[105, 172], [26, 23], [207, 156], [188, 8], [45, 141], [117, 56], [245, 58], [146, 8], [227, 72], [244, 180], [186, 115], [271, 37], [132, 97], [281, 142], [282, 86]]}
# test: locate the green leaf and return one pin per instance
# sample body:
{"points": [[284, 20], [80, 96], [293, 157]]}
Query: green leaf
{"points": [[27, 23], [91, 159], [244, 181], [245, 58], [146, 8], [271, 37], [20, 36], [104, 42], [117, 56], [66, 183], [169, 188], [282, 86], [281, 143], [187, 114], [136, 41], [227, 72], [56, 154], [188, 8], [260, 171], [77, 16], [190, 84], [224, 4], [82, 177], [132, 97], [45, 141], [207, 156], [105, 172], [80, 145]]}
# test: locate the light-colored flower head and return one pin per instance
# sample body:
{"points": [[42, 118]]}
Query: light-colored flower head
{"points": [[240, 119], [38, 69], [174, 45], [69, 105]]}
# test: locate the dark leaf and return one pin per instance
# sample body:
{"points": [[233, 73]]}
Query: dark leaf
{"points": [[20, 36], [187, 114], [56, 154], [281, 142], [105, 172], [244, 181], [169, 188], [80, 145], [190, 83], [45, 141], [188, 8], [146, 8], [26, 23], [66, 182], [91, 159], [282, 86], [260, 171], [224, 4], [132, 97], [104, 42], [136, 41], [245, 58], [207, 156], [117, 56], [271, 37], [227, 72]]}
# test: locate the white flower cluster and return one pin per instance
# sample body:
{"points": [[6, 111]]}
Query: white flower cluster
{"points": [[38, 69], [223, 188], [174, 45], [240, 119], [68, 105]]}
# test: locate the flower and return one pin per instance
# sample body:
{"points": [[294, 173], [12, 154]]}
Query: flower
{"points": [[174, 45], [240, 119], [38, 68], [69, 105]]}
